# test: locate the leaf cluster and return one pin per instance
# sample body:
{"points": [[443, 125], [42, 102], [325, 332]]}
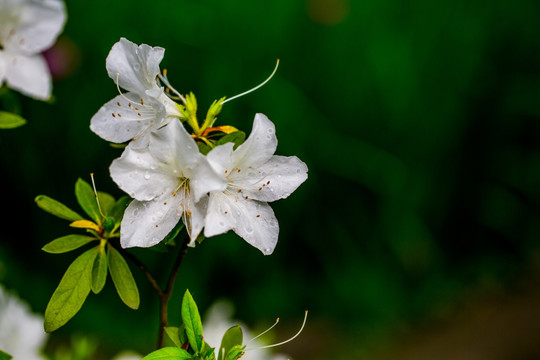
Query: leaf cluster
{"points": [[189, 340], [88, 272]]}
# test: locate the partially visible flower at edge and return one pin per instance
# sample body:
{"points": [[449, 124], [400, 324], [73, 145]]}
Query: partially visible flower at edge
{"points": [[26, 29], [145, 107], [127, 355], [255, 176], [21, 332], [169, 180], [218, 320]]}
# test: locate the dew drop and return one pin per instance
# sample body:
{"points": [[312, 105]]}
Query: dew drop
{"points": [[249, 229], [146, 175], [221, 223], [270, 131], [135, 212], [267, 251], [136, 67]]}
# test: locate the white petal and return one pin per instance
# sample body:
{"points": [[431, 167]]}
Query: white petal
{"points": [[220, 158], [196, 219], [35, 25], [173, 145], [276, 179], [146, 223], [28, 74], [137, 66], [129, 120], [139, 174], [260, 145], [252, 220], [2, 67], [219, 217]]}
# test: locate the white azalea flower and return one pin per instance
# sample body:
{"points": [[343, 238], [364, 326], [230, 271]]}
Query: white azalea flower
{"points": [[219, 319], [27, 27], [128, 355], [168, 181], [145, 107], [255, 176], [21, 332]]}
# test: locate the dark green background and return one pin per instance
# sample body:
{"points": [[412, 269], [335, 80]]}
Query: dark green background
{"points": [[416, 233]]}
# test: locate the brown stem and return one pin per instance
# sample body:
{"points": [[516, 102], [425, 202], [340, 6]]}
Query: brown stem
{"points": [[164, 296]]}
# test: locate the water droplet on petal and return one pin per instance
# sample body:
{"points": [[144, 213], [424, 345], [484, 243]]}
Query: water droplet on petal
{"points": [[267, 251], [136, 67], [146, 175], [270, 131], [249, 229], [221, 223], [135, 212]]}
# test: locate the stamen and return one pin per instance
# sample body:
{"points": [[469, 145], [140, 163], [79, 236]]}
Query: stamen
{"points": [[168, 85], [286, 341], [95, 193], [120, 91], [265, 331], [256, 87]]}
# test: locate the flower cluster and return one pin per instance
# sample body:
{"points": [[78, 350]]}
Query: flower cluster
{"points": [[28, 27], [176, 168]]}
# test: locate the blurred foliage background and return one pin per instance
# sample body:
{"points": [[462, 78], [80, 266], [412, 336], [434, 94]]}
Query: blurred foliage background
{"points": [[416, 234]]}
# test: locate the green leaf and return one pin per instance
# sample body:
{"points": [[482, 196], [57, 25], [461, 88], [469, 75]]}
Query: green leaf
{"points": [[236, 352], [232, 337], [174, 334], [72, 291], [209, 353], [106, 201], [99, 271], [67, 243], [56, 208], [123, 279], [87, 200], [203, 148], [173, 233], [108, 224], [10, 121], [117, 212], [4, 356], [192, 322], [237, 138], [168, 353]]}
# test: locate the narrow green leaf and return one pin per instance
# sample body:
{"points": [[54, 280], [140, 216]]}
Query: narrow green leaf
{"points": [[123, 279], [4, 356], [99, 271], [71, 293], [237, 138], [67, 243], [192, 322], [87, 200], [232, 337], [168, 353], [173, 233], [203, 148], [10, 121], [106, 201], [208, 352], [173, 334], [56, 208]]}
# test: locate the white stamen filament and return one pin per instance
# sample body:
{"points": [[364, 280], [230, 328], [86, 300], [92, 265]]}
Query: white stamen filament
{"points": [[286, 341], [264, 332], [166, 82], [256, 87], [95, 193], [121, 94]]}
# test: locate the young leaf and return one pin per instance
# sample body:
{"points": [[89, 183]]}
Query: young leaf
{"points": [[99, 271], [87, 200], [123, 279], [236, 352], [192, 322], [232, 337], [173, 233], [173, 334], [56, 208], [236, 137], [72, 291], [209, 353], [67, 243], [168, 353], [10, 121], [4, 356]]}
